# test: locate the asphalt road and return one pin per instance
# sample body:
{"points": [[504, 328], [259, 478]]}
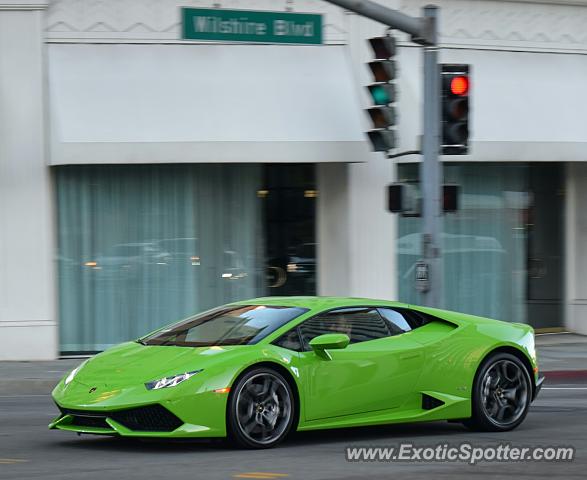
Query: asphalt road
{"points": [[29, 450]]}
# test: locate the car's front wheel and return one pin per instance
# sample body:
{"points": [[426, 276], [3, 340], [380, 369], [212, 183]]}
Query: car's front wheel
{"points": [[502, 393], [260, 409]]}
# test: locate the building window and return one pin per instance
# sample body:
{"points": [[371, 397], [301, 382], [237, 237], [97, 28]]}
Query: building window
{"points": [[145, 245], [141, 246], [289, 199], [484, 244]]}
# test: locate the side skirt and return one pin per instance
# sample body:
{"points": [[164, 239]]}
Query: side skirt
{"points": [[453, 407]]}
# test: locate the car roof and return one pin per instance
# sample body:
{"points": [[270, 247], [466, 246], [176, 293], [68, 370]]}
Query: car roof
{"points": [[320, 303]]}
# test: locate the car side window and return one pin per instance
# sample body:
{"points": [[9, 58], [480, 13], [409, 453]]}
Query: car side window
{"points": [[290, 340], [396, 321], [360, 324]]}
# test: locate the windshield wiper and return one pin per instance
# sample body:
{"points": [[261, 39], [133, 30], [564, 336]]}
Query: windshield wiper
{"points": [[141, 341]]}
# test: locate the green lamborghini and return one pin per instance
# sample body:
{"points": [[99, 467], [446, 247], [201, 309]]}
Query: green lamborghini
{"points": [[255, 370]]}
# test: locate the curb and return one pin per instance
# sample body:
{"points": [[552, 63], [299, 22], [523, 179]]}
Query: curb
{"points": [[566, 375]]}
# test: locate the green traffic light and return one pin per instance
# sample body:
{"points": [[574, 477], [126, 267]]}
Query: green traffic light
{"points": [[380, 96]]}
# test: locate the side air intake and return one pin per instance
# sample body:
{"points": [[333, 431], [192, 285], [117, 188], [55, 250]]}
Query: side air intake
{"points": [[429, 403]]}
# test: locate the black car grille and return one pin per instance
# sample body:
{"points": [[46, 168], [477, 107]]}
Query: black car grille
{"points": [[152, 418], [87, 421]]}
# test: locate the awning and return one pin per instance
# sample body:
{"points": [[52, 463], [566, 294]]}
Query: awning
{"points": [[203, 103]]}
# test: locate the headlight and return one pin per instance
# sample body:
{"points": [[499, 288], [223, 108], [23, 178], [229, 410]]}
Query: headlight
{"points": [[170, 381], [73, 373]]}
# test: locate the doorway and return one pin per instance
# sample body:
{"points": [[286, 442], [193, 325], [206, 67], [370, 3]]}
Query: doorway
{"points": [[290, 197], [545, 245]]}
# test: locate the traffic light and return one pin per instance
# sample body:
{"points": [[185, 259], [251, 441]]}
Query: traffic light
{"points": [[403, 198], [455, 92], [383, 94], [450, 198]]}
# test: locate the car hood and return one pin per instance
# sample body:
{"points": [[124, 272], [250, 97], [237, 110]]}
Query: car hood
{"points": [[133, 362]]}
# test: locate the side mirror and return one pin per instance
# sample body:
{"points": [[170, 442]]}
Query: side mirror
{"points": [[329, 341]]}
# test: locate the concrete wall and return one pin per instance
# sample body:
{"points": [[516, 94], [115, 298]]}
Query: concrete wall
{"points": [[332, 229], [356, 235], [576, 253], [27, 285]]}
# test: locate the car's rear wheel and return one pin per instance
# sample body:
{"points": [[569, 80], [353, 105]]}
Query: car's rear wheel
{"points": [[502, 393], [260, 409]]}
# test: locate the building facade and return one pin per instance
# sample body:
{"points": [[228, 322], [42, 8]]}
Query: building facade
{"points": [[144, 177]]}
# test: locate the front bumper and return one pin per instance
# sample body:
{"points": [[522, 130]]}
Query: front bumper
{"points": [[184, 411], [148, 421]]}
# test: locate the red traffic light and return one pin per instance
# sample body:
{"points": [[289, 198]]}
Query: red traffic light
{"points": [[455, 81], [459, 85]]}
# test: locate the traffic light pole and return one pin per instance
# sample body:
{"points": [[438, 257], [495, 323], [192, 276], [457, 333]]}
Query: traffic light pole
{"points": [[431, 170], [423, 31]]}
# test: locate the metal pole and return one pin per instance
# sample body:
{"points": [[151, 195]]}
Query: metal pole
{"points": [[431, 169], [418, 28]]}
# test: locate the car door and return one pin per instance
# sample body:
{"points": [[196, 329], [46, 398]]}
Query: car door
{"points": [[376, 371]]}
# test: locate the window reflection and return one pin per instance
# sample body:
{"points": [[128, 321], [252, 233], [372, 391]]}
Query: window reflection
{"points": [[142, 246], [484, 243]]}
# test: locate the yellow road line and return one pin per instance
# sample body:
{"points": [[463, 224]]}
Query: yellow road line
{"points": [[248, 475], [269, 473], [10, 461], [261, 475], [550, 330]]}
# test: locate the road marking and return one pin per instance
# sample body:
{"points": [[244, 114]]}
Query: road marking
{"points": [[266, 475], [26, 395], [552, 333], [11, 461], [564, 388]]}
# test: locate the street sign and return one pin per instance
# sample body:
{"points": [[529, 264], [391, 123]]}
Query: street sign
{"points": [[422, 276], [251, 26]]}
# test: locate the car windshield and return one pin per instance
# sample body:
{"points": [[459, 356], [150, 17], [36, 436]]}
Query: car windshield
{"points": [[234, 325]]}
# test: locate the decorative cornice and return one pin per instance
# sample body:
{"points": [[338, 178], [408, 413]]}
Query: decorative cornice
{"points": [[555, 26], [518, 25], [158, 21], [23, 5]]}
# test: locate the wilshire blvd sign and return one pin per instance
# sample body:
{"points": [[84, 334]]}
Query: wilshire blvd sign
{"points": [[251, 26]]}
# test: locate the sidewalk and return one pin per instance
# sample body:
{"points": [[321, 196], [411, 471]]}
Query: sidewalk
{"points": [[29, 378], [560, 356]]}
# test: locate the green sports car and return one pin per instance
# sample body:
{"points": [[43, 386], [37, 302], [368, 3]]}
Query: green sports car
{"points": [[255, 370]]}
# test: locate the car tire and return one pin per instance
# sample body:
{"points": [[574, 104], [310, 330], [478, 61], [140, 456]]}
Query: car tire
{"points": [[502, 392], [261, 409]]}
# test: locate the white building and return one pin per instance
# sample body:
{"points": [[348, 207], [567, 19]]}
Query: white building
{"points": [[143, 177]]}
